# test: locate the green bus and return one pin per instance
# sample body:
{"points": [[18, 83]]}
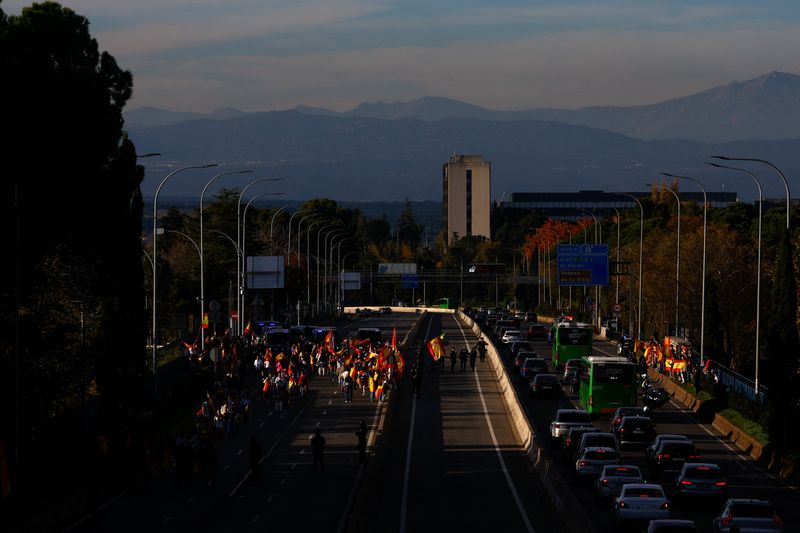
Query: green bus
{"points": [[606, 382], [570, 340], [444, 303]]}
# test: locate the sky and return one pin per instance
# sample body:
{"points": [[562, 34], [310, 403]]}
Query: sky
{"points": [[261, 55]]}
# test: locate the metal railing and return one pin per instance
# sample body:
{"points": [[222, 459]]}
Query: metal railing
{"points": [[739, 384]]}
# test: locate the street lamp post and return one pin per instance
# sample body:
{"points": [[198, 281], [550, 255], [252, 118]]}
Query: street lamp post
{"points": [[785, 181], [758, 268], [342, 284], [200, 254], [705, 231], [597, 240], [319, 232], [272, 221], [240, 266], [332, 264], [202, 249], [641, 241], [677, 252], [308, 257], [332, 234], [238, 256], [155, 259]]}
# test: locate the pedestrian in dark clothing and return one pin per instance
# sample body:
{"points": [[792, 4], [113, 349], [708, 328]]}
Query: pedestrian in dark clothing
{"points": [[482, 349], [463, 355], [441, 363], [318, 450], [453, 359], [362, 443], [254, 458], [348, 389], [473, 356]]}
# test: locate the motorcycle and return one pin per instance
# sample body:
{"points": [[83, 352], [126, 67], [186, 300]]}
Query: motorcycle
{"points": [[653, 397]]}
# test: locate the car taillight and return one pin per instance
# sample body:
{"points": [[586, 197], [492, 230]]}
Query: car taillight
{"points": [[665, 505], [622, 505], [777, 521], [726, 520], [591, 400], [663, 456], [584, 463], [622, 430], [686, 482], [721, 483], [604, 482], [694, 457]]}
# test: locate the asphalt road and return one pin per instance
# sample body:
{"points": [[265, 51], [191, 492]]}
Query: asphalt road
{"points": [[456, 462], [745, 478], [288, 497]]}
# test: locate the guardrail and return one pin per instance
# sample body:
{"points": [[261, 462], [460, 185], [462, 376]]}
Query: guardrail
{"points": [[573, 517]]}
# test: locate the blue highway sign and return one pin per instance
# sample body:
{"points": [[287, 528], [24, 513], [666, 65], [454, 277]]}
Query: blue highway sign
{"points": [[582, 264]]}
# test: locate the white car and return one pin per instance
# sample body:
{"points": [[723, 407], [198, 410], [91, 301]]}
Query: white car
{"points": [[511, 335], [640, 502]]}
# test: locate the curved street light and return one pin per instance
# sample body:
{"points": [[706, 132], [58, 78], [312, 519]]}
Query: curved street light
{"points": [[202, 248], [240, 264], [758, 267], [677, 252], [641, 241], [200, 254], [785, 181], [272, 221], [155, 259], [705, 231], [332, 234]]}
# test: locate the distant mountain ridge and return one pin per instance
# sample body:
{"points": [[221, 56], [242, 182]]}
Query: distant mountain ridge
{"points": [[766, 107], [369, 159]]}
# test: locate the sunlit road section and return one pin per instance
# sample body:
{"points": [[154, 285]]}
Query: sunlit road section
{"points": [[455, 461]]}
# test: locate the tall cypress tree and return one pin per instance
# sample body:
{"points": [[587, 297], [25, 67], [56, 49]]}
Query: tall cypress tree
{"points": [[782, 344]]}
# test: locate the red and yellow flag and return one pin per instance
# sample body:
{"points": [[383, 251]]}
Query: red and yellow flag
{"points": [[436, 347], [248, 329], [394, 338], [330, 341]]}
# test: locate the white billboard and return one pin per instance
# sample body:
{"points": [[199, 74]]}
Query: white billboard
{"points": [[397, 268], [265, 272]]}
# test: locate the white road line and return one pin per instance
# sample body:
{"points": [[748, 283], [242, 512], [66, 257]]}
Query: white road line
{"points": [[294, 465], [274, 445], [283, 482], [167, 519], [190, 499], [239, 452], [269, 500], [226, 467], [407, 474], [261, 425], [317, 424], [324, 413], [255, 518], [302, 451], [330, 402], [497, 451]]}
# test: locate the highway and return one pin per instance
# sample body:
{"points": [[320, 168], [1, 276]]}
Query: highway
{"points": [[456, 463], [745, 478], [289, 496]]}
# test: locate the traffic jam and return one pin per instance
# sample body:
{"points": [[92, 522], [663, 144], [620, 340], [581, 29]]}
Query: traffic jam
{"points": [[634, 460]]}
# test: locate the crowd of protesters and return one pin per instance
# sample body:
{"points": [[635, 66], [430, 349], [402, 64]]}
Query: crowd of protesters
{"points": [[249, 372]]}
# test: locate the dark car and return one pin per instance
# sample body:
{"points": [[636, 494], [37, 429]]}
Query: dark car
{"points": [[573, 438], [522, 355], [635, 431], [531, 368], [530, 316], [545, 384], [537, 331], [616, 418], [518, 346], [670, 456], [701, 480], [748, 515], [672, 525], [491, 321]]}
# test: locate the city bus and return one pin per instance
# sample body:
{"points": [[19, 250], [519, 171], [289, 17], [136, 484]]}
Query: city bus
{"points": [[570, 340], [444, 303], [606, 383]]}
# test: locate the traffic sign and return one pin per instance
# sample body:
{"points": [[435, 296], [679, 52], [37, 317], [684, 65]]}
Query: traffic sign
{"points": [[235, 314], [589, 300], [214, 306], [617, 308], [582, 264]]}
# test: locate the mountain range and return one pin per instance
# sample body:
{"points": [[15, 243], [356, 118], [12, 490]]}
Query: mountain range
{"points": [[385, 152]]}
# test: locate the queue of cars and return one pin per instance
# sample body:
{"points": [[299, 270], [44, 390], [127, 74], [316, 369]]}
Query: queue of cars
{"points": [[674, 473]]}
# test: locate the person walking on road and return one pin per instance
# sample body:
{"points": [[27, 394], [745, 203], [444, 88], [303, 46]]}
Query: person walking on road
{"points": [[473, 356], [453, 359], [318, 450], [362, 442], [482, 349], [463, 355], [416, 381], [254, 458]]}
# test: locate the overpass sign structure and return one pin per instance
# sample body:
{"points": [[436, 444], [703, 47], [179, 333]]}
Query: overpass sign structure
{"points": [[582, 264]]}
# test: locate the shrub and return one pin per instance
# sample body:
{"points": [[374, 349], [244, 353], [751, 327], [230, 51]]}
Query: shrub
{"points": [[753, 429]]}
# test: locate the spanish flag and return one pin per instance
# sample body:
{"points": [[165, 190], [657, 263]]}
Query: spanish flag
{"points": [[394, 339], [330, 341], [247, 329], [436, 347]]}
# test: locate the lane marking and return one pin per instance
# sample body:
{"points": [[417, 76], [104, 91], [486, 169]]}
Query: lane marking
{"points": [[324, 413], [226, 467], [239, 452], [330, 402], [269, 500], [497, 451], [261, 425], [190, 499], [407, 473], [317, 424], [274, 445], [167, 519], [302, 451], [283, 482], [294, 465], [255, 518]]}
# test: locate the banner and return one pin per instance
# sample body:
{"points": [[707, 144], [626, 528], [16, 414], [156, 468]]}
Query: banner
{"points": [[436, 347]]}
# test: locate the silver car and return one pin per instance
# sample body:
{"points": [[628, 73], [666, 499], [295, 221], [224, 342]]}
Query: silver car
{"points": [[748, 515], [639, 502], [591, 462], [567, 418], [613, 477]]}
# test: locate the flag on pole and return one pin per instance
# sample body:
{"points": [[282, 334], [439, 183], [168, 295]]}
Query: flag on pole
{"points": [[330, 341], [248, 329], [205, 320], [436, 347], [394, 338]]}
